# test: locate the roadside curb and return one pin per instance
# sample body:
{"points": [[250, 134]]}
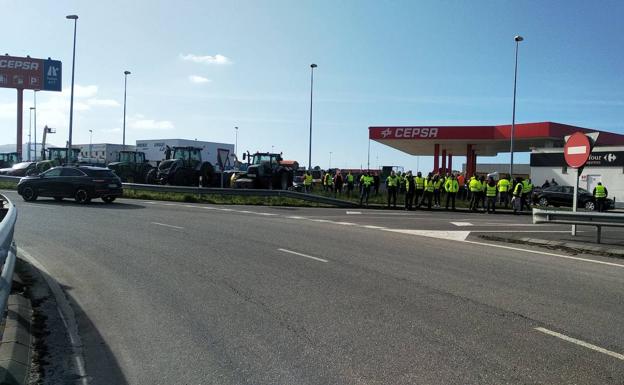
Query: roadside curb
{"points": [[561, 245], [16, 345]]}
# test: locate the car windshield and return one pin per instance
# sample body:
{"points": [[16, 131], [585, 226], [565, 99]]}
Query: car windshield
{"points": [[21, 166]]}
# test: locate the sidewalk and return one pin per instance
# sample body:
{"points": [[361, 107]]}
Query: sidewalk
{"points": [[612, 241]]}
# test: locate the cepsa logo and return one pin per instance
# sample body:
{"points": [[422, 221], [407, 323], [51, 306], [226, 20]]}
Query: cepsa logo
{"points": [[19, 64], [410, 132]]}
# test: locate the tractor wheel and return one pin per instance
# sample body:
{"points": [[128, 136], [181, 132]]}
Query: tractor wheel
{"points": [[29, 194], [82, 196], [150, 178], [207, 173], [108, 199]]}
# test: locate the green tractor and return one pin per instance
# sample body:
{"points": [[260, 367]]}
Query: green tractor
{"points": [[131, 167], [184, 169], [266, 171], [8, 159], [58, 156]]}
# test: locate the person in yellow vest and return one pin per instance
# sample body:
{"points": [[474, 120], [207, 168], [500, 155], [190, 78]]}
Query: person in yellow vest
{"points": [[452, 187], [401, 182], [428, 194], [367, 182], [475, 189], [527, 192], [600, 194], [328, 181], [307, 182], [503, 191], [419, 182], [437, 189], [410, 186], [516, 201], [490, 194], [350, 184], [392, 183]]}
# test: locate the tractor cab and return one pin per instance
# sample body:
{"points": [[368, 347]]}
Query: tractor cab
{"points": [[131, 157], [190, 156], [8, 159], [63, 155]]}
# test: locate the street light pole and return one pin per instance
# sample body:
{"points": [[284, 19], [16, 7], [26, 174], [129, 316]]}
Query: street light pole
{"points": [[517, 39], [71, 101], [35, 125], [236, 141], [312, 67], [126, 73], [330, 154], [90, 145], [30, 133]]}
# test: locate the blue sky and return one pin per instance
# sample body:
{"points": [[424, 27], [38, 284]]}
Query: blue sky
{"points": [[380, 63]]}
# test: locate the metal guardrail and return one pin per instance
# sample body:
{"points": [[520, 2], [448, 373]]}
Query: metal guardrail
{"points": [[240, 192], [226, 191], [579, 218], [8, 217]]}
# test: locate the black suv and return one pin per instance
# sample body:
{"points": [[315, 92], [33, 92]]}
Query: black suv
{"points": [[81, 183], [562, 196]]}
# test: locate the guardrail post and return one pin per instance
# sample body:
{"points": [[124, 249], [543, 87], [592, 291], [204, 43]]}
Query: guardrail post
{"points": [[598, 233]]}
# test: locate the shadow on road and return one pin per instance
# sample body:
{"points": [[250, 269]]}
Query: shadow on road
{"points": [[53, 356], [96, 204]]}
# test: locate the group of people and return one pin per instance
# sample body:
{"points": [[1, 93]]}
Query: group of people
{"points": [[481, 193]]}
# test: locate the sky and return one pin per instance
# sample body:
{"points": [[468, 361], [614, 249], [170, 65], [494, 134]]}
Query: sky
{"points": [[201, 68]]}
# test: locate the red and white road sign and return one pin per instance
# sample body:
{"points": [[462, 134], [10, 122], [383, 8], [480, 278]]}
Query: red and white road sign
{"points": [[576, 150]]}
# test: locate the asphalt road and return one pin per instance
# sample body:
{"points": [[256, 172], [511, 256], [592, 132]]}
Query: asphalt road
{"points": [[172, 293]]}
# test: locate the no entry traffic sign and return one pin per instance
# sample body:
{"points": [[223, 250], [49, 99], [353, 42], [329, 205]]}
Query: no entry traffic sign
{"points": [[577, 150]]}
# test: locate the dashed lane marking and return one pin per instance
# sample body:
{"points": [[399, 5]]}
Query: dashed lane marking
{"points": [[354, 212], [303, 255], [581, 343], [166, 225], [461, 224]]}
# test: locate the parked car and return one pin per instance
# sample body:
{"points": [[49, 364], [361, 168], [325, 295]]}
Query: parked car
{"points": [[20, 169], [562, 196], [81, 183]]}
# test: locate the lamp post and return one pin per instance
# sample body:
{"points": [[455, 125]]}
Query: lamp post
{"points": [[35, 124], [517, 39], [312, 67], [90, 144], [236, 140], [71, 101], [126, 73], [30, 133], [330, 154]]}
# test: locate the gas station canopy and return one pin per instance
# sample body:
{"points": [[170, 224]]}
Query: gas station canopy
{"points": [[483, 140]]}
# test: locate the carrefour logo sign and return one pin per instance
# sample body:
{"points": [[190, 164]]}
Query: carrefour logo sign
{"points": [[410, 132]]}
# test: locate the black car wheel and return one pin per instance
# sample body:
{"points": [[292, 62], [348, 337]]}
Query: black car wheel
{"points": [[108, 199], [543, 201], [58, 199], [590, 206], [29, 194], [82, 196]]}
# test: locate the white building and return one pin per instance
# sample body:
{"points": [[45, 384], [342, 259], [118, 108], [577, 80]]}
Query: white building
{"points": [[605, 164], [154, 150], [101, 152]]}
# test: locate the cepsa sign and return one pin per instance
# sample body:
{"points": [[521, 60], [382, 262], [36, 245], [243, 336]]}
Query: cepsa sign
{"points": [[30, 74], [404, 133]]}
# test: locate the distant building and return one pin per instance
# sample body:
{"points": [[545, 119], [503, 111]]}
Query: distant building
{"points": [[155, 150], [102, 152]]}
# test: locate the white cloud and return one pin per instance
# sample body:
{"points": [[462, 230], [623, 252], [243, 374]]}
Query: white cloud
{"points": [[103, 102], [198, 79], [82, 91], [206, 59], [151, 124]]}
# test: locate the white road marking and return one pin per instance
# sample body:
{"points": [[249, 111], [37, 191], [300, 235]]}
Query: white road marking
{"points": [[354, 212], [439, 234], [523, 231], [246, 212], [225, 209], [303, 255], [510, 224], [267, 214], [346, 223], [373, 227], [166, 225], [581, 343], [321, 220], [545, 253], [295, 217], [461, 224]]}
